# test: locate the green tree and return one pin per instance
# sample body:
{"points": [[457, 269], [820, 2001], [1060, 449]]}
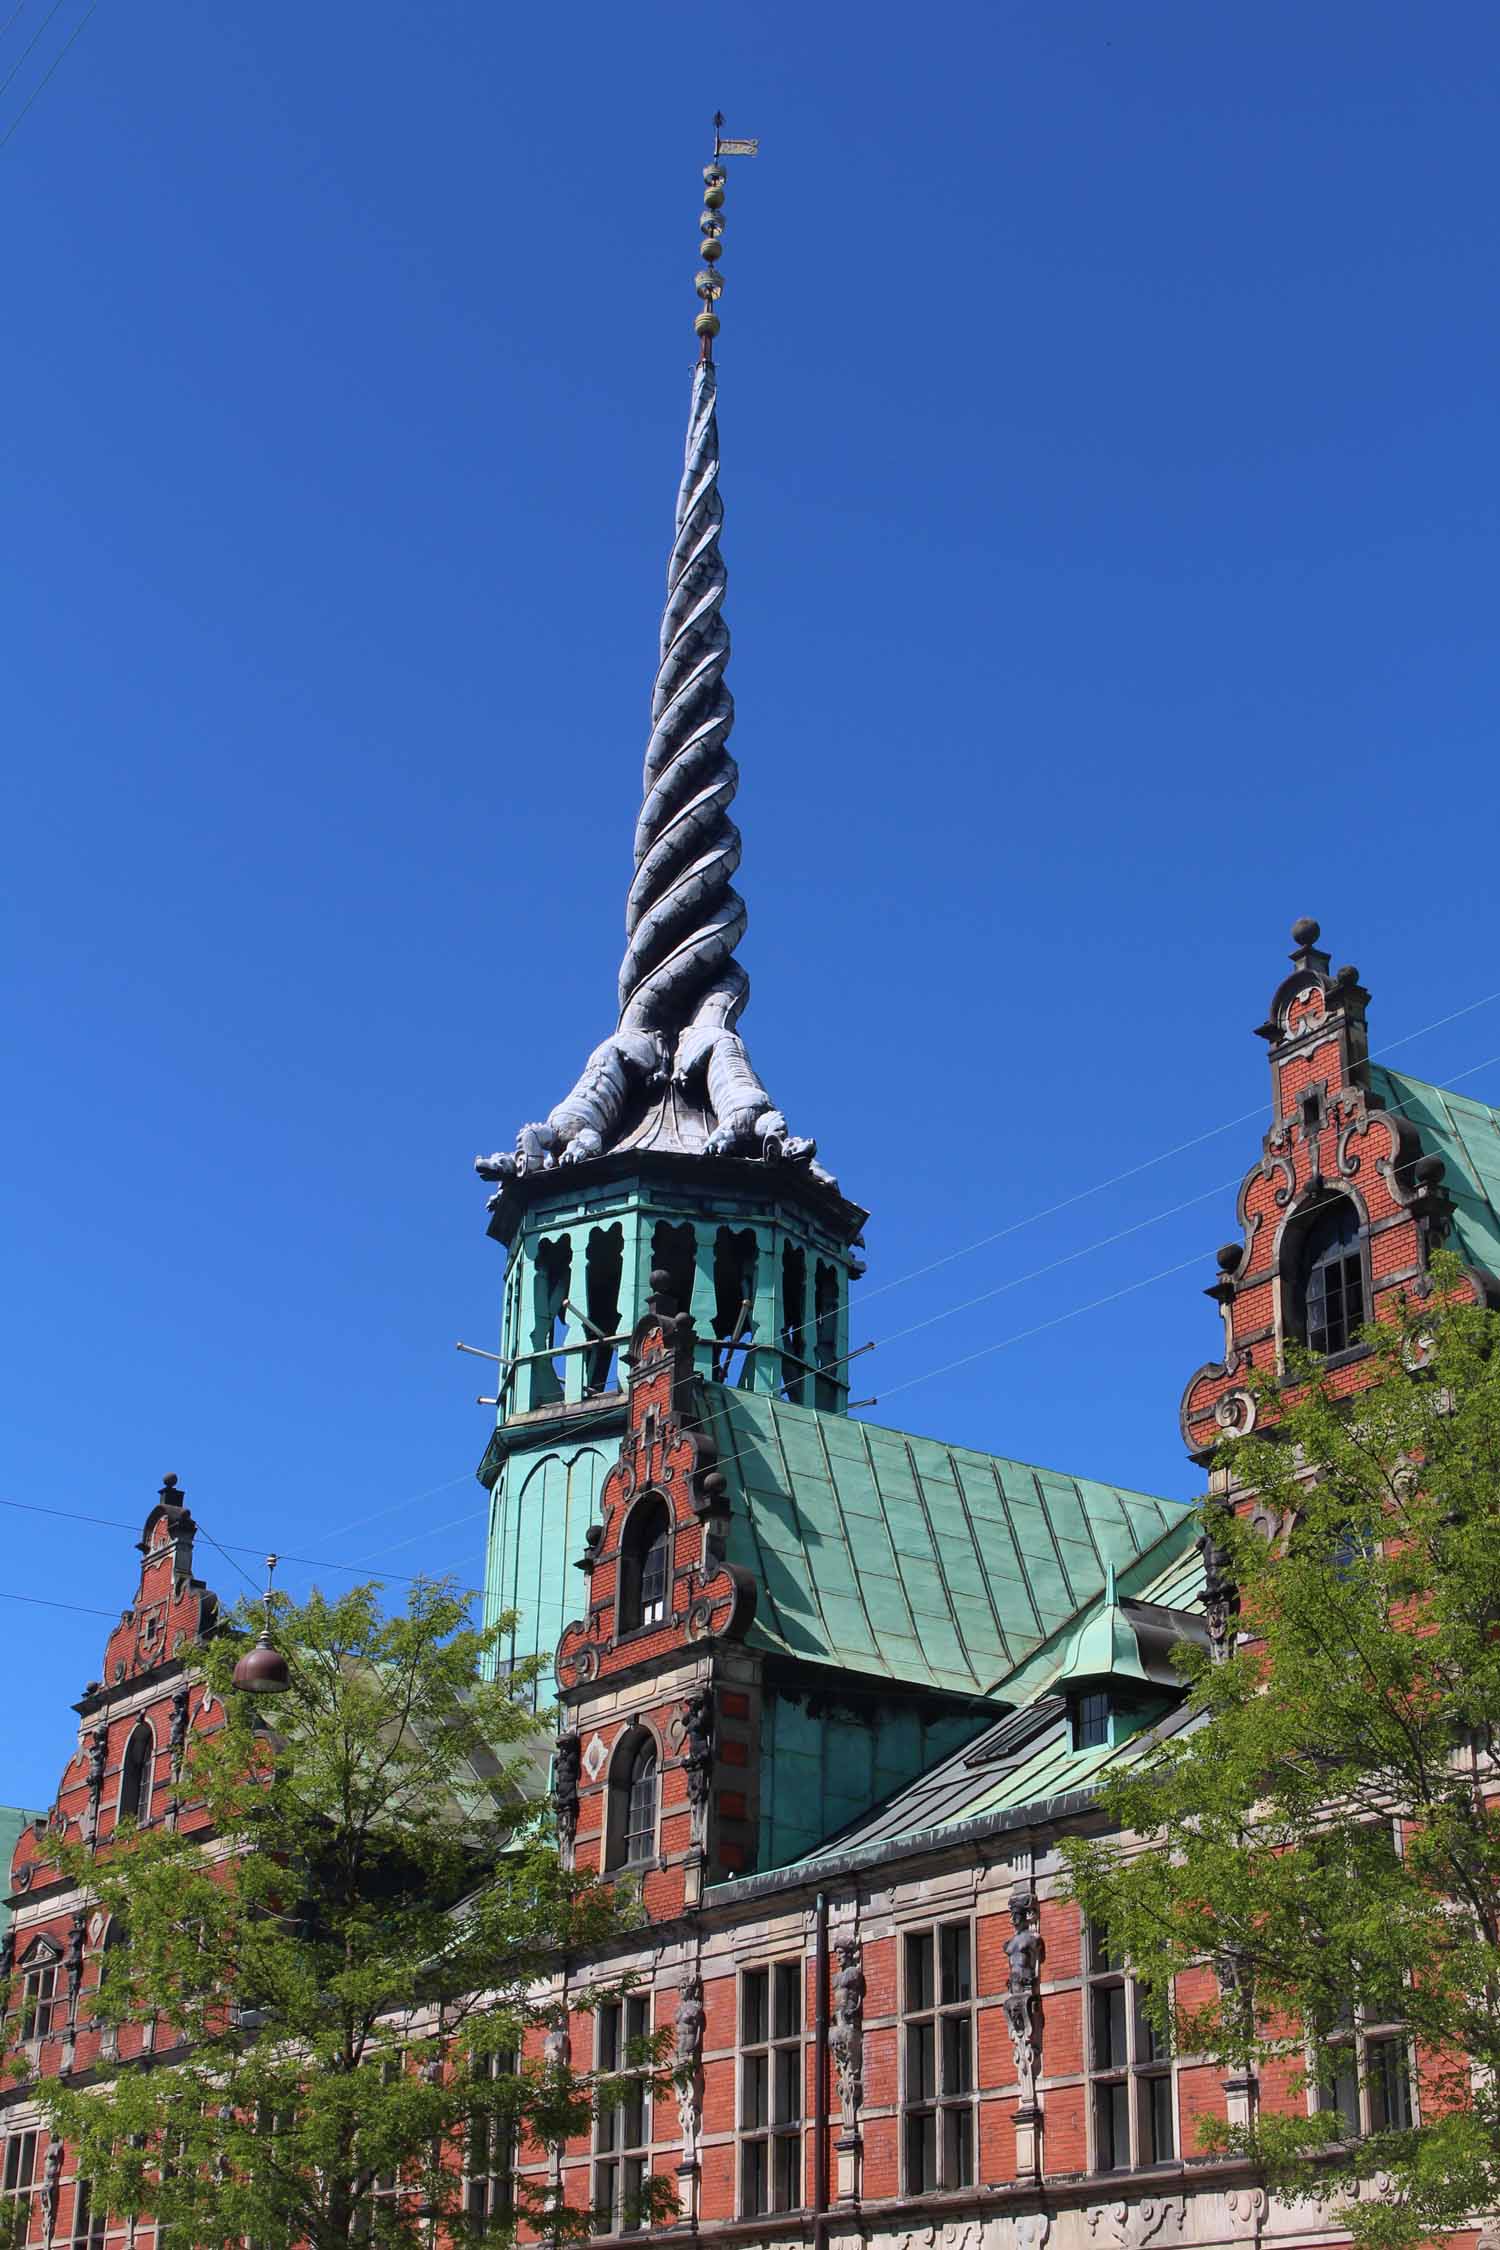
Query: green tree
{"points": [[1323, 1829], [340, 1963]]}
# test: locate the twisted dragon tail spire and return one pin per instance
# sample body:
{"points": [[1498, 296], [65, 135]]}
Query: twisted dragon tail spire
{"points": [[683, 919], [676, 1075]]}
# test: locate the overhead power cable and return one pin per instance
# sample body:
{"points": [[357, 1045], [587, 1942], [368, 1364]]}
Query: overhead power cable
{"points": [[227, 1549], [42, 83]]}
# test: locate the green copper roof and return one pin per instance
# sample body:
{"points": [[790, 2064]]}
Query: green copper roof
{"points": [[899, 1558], [1466, 1135], [1028, 1756], [1104, 1646]]}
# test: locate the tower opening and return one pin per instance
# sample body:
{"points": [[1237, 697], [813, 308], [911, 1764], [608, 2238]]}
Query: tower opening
{"points": [[735, 1264], [826, 1336], [604, 1265], [794, 1322], [553, 1274], [674, 1252]]}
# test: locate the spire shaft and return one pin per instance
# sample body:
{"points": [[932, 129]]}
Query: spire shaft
{"points": [[683, 919]]}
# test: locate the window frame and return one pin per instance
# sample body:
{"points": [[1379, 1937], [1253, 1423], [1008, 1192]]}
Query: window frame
{"points": [[771, 2091], [1144, 2073], [951, 2144], [91, 2233], [620, 2167]]}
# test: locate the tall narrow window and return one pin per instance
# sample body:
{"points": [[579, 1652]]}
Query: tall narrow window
{"points": [[1330, 1303], [135, 1775], [631, 1838], [645, 1566], [771, 2089], [88, 2225], [938, 2057], [490, 2153], [39, 2003], [1130, 2069], [622, 2127], [385, 2188], [17, 2174]]}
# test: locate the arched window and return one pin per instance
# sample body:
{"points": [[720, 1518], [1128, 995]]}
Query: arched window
{"points": [[1330, 1284], [632, 1806], [135, 1775], [645, 1566]]}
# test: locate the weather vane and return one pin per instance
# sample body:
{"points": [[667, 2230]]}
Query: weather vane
{"points": [[710, 284]]}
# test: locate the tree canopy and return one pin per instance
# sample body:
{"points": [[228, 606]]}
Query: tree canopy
{"points": [[339, 1951], [1323, 1829]]}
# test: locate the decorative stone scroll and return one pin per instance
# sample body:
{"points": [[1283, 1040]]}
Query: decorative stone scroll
{"points": [[1127, 2226]]}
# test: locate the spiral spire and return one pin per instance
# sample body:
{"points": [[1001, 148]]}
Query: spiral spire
{"points": [[683, 919], [675, 1074]]}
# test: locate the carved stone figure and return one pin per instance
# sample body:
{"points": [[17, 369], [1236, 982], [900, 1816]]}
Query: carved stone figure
{"points": [[1221, 1601], [177, 1734], [698, 1754], [52, 2164], [687, 2064], [846, 2037], [557, 2047], [565, 1788], [73, 1962], [680, 990], [1023, 1950]]}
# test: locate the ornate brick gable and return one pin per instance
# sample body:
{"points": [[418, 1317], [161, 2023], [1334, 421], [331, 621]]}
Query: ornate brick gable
{"points": [[681, 1678], [1328, 1139]]}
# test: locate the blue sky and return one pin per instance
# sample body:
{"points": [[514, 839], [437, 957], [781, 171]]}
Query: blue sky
{"points": [[1110, 451]]}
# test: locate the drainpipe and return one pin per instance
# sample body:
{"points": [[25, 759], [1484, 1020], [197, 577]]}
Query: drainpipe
{"points": [[820, 2076]]}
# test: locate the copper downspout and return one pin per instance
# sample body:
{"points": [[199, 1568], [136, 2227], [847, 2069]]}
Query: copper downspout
{"points": [[820, 2076]]}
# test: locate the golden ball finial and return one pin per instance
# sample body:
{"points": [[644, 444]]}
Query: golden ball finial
{"points": [[706, 324], [713, 195]]}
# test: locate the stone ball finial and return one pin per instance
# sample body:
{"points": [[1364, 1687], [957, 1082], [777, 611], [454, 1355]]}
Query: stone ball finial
{"points": [[169, 1482], [1227, 1256], [661, 1282], [1305, 931], [1428, 1170]]}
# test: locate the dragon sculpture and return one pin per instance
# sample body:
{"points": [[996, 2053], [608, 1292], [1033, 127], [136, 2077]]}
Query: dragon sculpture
{"points": [[681, 990]]}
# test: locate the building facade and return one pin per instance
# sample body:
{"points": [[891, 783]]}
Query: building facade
{"points": [[831, 1693]]}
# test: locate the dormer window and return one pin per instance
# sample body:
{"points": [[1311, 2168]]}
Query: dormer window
{"points": [[645, 1566], [1329, 1300], [1091, 1720]]}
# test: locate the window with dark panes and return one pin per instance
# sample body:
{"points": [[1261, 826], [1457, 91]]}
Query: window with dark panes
{"points": [[645, 1566], [490, 2152], [622, 2125], [1331, 1280], [1133, 2098], [771, 2088], [1091, 1722], [88, 2225], [17, 2179], [39, 2003], [937, 2033], [1365, 2076]]}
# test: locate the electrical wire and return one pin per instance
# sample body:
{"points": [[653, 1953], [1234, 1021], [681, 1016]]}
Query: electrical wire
{"points": [[44, 1601], [226, 1549], [41, 85], [11, 75]]}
